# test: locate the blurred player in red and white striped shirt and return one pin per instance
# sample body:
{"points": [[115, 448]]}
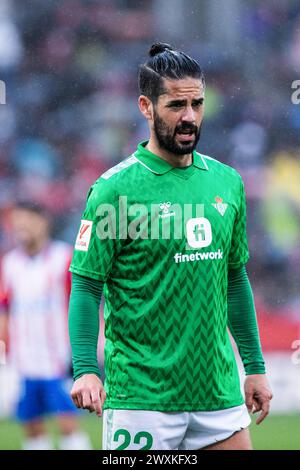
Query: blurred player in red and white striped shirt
{"points": [[35, 291]]}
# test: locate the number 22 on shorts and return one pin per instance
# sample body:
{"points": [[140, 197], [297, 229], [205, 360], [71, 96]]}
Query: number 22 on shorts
{"points": [[143, 438]]}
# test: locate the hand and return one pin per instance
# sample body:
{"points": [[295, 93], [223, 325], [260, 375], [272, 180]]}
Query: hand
{"points": [[258, 395], [88, 393]]}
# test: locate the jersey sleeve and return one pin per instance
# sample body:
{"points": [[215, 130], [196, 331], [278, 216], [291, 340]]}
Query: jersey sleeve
{"points": [[239, 253], [96, 245]]}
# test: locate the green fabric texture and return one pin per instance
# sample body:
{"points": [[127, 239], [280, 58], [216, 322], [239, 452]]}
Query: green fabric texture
{"points": [[242, 321], [84, 324]]}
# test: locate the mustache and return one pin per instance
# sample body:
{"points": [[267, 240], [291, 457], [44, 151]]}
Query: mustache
{"points": [[191, 128]]}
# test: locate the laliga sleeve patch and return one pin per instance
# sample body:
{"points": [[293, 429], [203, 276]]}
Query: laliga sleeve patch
{"points": [[84, 235]]}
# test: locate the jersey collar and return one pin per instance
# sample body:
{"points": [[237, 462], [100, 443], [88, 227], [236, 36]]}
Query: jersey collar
{"points": [[158, 165]]}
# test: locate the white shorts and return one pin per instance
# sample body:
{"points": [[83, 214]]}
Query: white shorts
{"points": [[156, 430]]}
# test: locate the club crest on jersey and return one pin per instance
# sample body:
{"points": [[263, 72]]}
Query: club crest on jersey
{"points": [[84, 235], [219, 205]]}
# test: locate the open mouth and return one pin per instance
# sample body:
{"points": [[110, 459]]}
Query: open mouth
{"points": [[186, 135]]}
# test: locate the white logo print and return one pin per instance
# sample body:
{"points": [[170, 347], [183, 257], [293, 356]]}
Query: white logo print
{"points": [[199, 235], [219, 205], [198, 232], [84, 235], [165, 210]]}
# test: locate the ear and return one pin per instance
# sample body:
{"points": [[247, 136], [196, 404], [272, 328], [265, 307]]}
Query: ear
{"points": [[146, 107]]}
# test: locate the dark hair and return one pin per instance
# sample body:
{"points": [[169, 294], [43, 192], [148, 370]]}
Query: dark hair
{"points": [[165, 62], [32, 206]]}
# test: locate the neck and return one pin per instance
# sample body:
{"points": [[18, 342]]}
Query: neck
{"points": [[172, 158], [35, 247]]}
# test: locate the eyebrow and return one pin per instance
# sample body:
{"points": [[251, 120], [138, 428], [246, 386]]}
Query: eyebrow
{"points": [[183, 102]]}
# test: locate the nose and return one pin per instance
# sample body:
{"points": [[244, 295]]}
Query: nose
{"points": [[188, 115]]}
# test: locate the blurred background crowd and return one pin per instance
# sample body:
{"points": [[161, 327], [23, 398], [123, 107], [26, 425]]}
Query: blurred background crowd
{"points": [[70, 69]]}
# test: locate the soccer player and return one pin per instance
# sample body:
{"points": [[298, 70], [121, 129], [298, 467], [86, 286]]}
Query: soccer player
{"points": [[35, 289], [164, 234]]}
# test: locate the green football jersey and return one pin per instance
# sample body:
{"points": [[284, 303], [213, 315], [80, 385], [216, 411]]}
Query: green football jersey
{"points": [[162, 239]]}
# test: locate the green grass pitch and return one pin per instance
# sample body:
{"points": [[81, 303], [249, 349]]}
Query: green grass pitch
{"points": [[275, 433]]}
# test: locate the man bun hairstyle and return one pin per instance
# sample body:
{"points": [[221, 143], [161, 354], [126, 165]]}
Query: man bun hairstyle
{"points": [[159, 47], [165, 62]]}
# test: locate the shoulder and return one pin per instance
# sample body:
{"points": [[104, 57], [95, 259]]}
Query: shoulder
{"points": [[60, 249], [11, 256], [10, 260], [58, 255], [123, 167], [222, 170], [216, 165], [106, 186]]}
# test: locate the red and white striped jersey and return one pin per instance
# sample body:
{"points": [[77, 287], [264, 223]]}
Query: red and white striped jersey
{"points": [[36, 293]]}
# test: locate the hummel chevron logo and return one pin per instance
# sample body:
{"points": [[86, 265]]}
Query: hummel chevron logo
{"points": [[165, 210], [219, 205], [165, 206]]}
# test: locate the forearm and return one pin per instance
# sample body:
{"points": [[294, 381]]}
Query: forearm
{"points": [[242, 321], [84, 324]]}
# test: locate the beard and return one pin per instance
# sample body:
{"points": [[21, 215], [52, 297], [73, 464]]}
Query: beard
{"points": [[166, 137]]}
